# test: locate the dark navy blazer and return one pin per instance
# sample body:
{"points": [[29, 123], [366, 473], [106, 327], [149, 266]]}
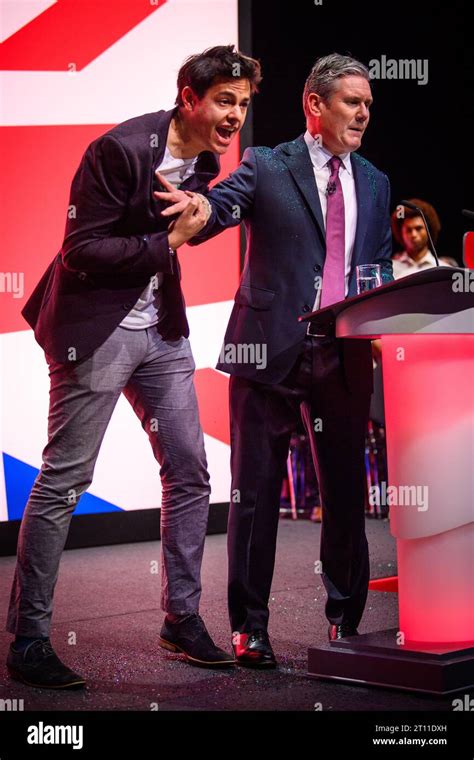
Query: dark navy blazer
{"points": [[274, 192], [115, 240]]}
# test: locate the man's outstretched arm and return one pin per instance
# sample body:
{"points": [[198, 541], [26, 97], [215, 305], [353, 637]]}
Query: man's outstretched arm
{"points": [[230, 201]]}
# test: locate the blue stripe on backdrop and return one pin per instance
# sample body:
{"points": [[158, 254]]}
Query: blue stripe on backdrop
{"points": [[19, 479]]}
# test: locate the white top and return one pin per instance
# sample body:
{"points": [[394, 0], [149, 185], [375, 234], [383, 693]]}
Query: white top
{"points": [[319, 158], [403, 264], [145, 313]]}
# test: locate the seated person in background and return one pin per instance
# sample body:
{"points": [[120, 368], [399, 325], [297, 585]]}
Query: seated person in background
{"points": [[410, 232]]}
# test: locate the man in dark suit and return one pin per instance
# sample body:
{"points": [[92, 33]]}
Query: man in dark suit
{"points": [[110, 315], [313, 210]]}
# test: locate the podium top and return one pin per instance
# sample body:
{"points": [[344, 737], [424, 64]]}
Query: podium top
{"points": [[437, 300]]}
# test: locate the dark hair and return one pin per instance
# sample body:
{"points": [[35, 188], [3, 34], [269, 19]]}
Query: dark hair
{"points": [[215, 64], [431, 217]]}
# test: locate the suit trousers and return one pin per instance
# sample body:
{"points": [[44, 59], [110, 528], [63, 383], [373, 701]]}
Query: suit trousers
{"points": [[156, 377], [263, 417]]}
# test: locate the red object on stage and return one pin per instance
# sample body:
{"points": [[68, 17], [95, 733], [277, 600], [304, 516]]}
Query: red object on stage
{"points": [[384, 584], [468, 248]]}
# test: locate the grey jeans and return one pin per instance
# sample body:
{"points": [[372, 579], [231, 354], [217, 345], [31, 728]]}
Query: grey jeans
{"points": [[156, 376]]}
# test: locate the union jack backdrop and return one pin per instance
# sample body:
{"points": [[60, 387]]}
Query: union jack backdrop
{"points": [[70, 70]]}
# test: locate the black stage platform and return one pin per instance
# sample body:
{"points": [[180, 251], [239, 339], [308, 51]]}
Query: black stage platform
{"points": [[109, 598]]}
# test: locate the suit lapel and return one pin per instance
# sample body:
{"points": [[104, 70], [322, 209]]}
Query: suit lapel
{"points": [[162, 127], [297, 159], [364, 206], [163, 119], [207, 168]]}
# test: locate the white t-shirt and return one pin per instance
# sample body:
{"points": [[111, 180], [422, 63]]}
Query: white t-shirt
{"points": [[145, 313]]}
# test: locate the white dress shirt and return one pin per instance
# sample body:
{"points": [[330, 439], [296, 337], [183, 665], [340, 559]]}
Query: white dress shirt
{"points": [[319, 158], [403, 264]]}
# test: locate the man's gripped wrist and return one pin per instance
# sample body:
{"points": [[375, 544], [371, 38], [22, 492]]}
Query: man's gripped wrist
{"points": [[207, 205], [172, 244]]}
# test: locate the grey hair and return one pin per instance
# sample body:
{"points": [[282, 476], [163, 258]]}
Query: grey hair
{"points": [[327, 70]]}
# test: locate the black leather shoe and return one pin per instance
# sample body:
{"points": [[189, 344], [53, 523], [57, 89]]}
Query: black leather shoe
{"points": [[253, 650], [39, 665], [190, 637], [342, 630]]}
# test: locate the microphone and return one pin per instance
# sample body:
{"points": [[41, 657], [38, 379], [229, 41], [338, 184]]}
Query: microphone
{"points": [[331, 187], [466, 212], [412, 206]]}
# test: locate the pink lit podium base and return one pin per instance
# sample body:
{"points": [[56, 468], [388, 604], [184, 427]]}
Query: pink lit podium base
{"points": [[428, 372]]}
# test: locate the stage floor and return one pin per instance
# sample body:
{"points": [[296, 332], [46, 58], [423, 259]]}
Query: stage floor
{"points": [[109, 598]]}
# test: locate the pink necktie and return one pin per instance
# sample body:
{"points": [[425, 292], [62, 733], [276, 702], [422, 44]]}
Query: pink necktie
{"points": [[334, 266]]}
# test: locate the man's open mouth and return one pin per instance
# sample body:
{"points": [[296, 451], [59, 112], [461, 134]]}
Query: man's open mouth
{"points": [[226, 132]]}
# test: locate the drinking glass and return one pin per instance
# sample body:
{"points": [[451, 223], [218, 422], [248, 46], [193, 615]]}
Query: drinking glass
{"points": [[369, 276]]}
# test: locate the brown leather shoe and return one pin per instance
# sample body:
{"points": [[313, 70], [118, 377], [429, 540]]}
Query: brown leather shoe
{"points": [[190, 637]]}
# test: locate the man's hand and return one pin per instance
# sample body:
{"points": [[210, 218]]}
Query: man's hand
{"points": [[189, 223], [180, 198], [194, 210]]}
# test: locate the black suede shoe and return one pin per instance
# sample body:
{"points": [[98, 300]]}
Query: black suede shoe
{"points": [[192, 639], [253, 650], [38, 665], [341, 630]]}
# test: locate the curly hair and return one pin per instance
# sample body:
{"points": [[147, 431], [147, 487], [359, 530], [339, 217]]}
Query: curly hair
{"points": [[430, 214]]}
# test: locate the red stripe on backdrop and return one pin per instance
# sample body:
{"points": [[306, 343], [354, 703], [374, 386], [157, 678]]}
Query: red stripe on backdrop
{"points": [[212, 389], [72, 32], [39, 163], [211, 271], [38, 166]]}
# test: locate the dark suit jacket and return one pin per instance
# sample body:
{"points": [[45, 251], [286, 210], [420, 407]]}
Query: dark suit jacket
{"points": [[115, 240], [274, 192]]}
